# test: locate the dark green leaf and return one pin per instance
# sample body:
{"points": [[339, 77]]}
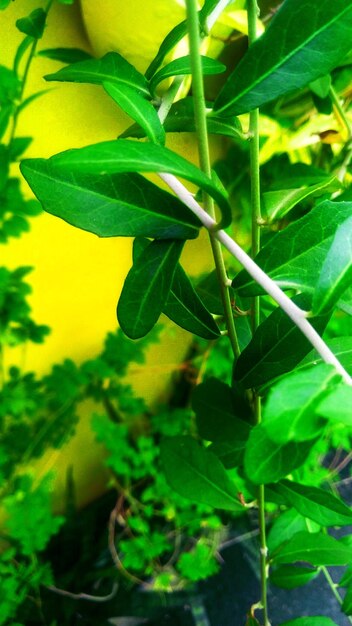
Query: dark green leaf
{"points": [[65, 55], [290, 410], [170, 41], [303, 42], [314, 548], [277, 346], [346, 606], [290, 576], [4, 4], [9, 85], [337, 406], [112, 68], [147, 286], [34, 24], [346, 579], [182, 67], [122, 155], [17, 146], [120, 205], [318, 620], [336, 273], [276, 204], [315, 503], [251, 621], [22, 48], [181, 119], [294, 257], [267, 462], [340, 346], [197, 474], [138, 108]]}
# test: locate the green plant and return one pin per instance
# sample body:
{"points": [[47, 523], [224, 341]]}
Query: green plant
{"points": [[260, 435]]}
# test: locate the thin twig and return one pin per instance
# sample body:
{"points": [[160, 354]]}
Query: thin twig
{"points": [[85, 596]]}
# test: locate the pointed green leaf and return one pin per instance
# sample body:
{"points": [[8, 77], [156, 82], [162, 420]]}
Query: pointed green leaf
{"points": [[290, 576], [290, 411], [337, 406], [34, 24], [314, 548], [315, 503], [294, 256], [112, 68], [181, 119], [196, 474], [147, 286], [182, 67], [336, 273], [340, 346], [286, 525], [119, 205], [276, 204], [318, 620], [122, 155], [303, 42], [321, 86], [346, 606], [170, 41], [138, 108], [277, 346], [346, 579], [65, 55], [268, 462]]}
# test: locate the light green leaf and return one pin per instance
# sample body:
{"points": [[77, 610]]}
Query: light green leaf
{"points": [[277, 346], [268, 462], [138, 108], [290, 411], [122, 155], [182, 67], [119, 205], [314, 548], [315, 503], [340, 346], [294, 256], [318, 620], [33, 25], [337, 406], [321, 86], [336, 273], [290, 576], [276, 204], [147, 286], [112, 68], [170, 41], [299, 46], [196, 474], [287, 524]]}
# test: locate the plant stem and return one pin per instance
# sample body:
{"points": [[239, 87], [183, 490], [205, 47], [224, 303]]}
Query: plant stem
{"points": [[204, 159], [291, 309], [340, 113], [333, 588]]}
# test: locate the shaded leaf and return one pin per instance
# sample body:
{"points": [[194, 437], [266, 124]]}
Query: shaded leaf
{"points": [[196, 474], [290, 576], [122, 155], [346, 606], [294, 256], [303, 42], [315, 503], [116, 205], [314, 548], [138, 108], [336, 273], [182, 67], [33, 25], [268, 462], [318, 620], [287, 524], [340, 346], [65, 55], [147, 286]]}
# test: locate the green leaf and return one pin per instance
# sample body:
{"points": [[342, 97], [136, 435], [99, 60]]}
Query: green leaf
{"points": [[276, 204], [277, 346], [336, 273], [112, 68], [290, 576], [315, 503], [268, 462], [290, 412], [314, 548], [294, 256], [33, 25], [4, 4], [299, 46], [340, 346], [321, 86], [318, 620], [65, 55], [147, 286], [138, 108], [183, 306], [122, 155], [17, 146], [182, 67], [119, 205], [337, 406], [346, 606], [196, 474], [21, 50], [286, 525], [181, 119], [170, 41]]}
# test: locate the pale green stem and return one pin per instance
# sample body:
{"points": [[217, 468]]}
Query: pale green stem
{"points": [[204, 159], [333, 588]]}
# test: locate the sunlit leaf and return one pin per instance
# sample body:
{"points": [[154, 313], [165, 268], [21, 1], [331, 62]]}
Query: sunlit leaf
{"points": [[314, 548]]}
